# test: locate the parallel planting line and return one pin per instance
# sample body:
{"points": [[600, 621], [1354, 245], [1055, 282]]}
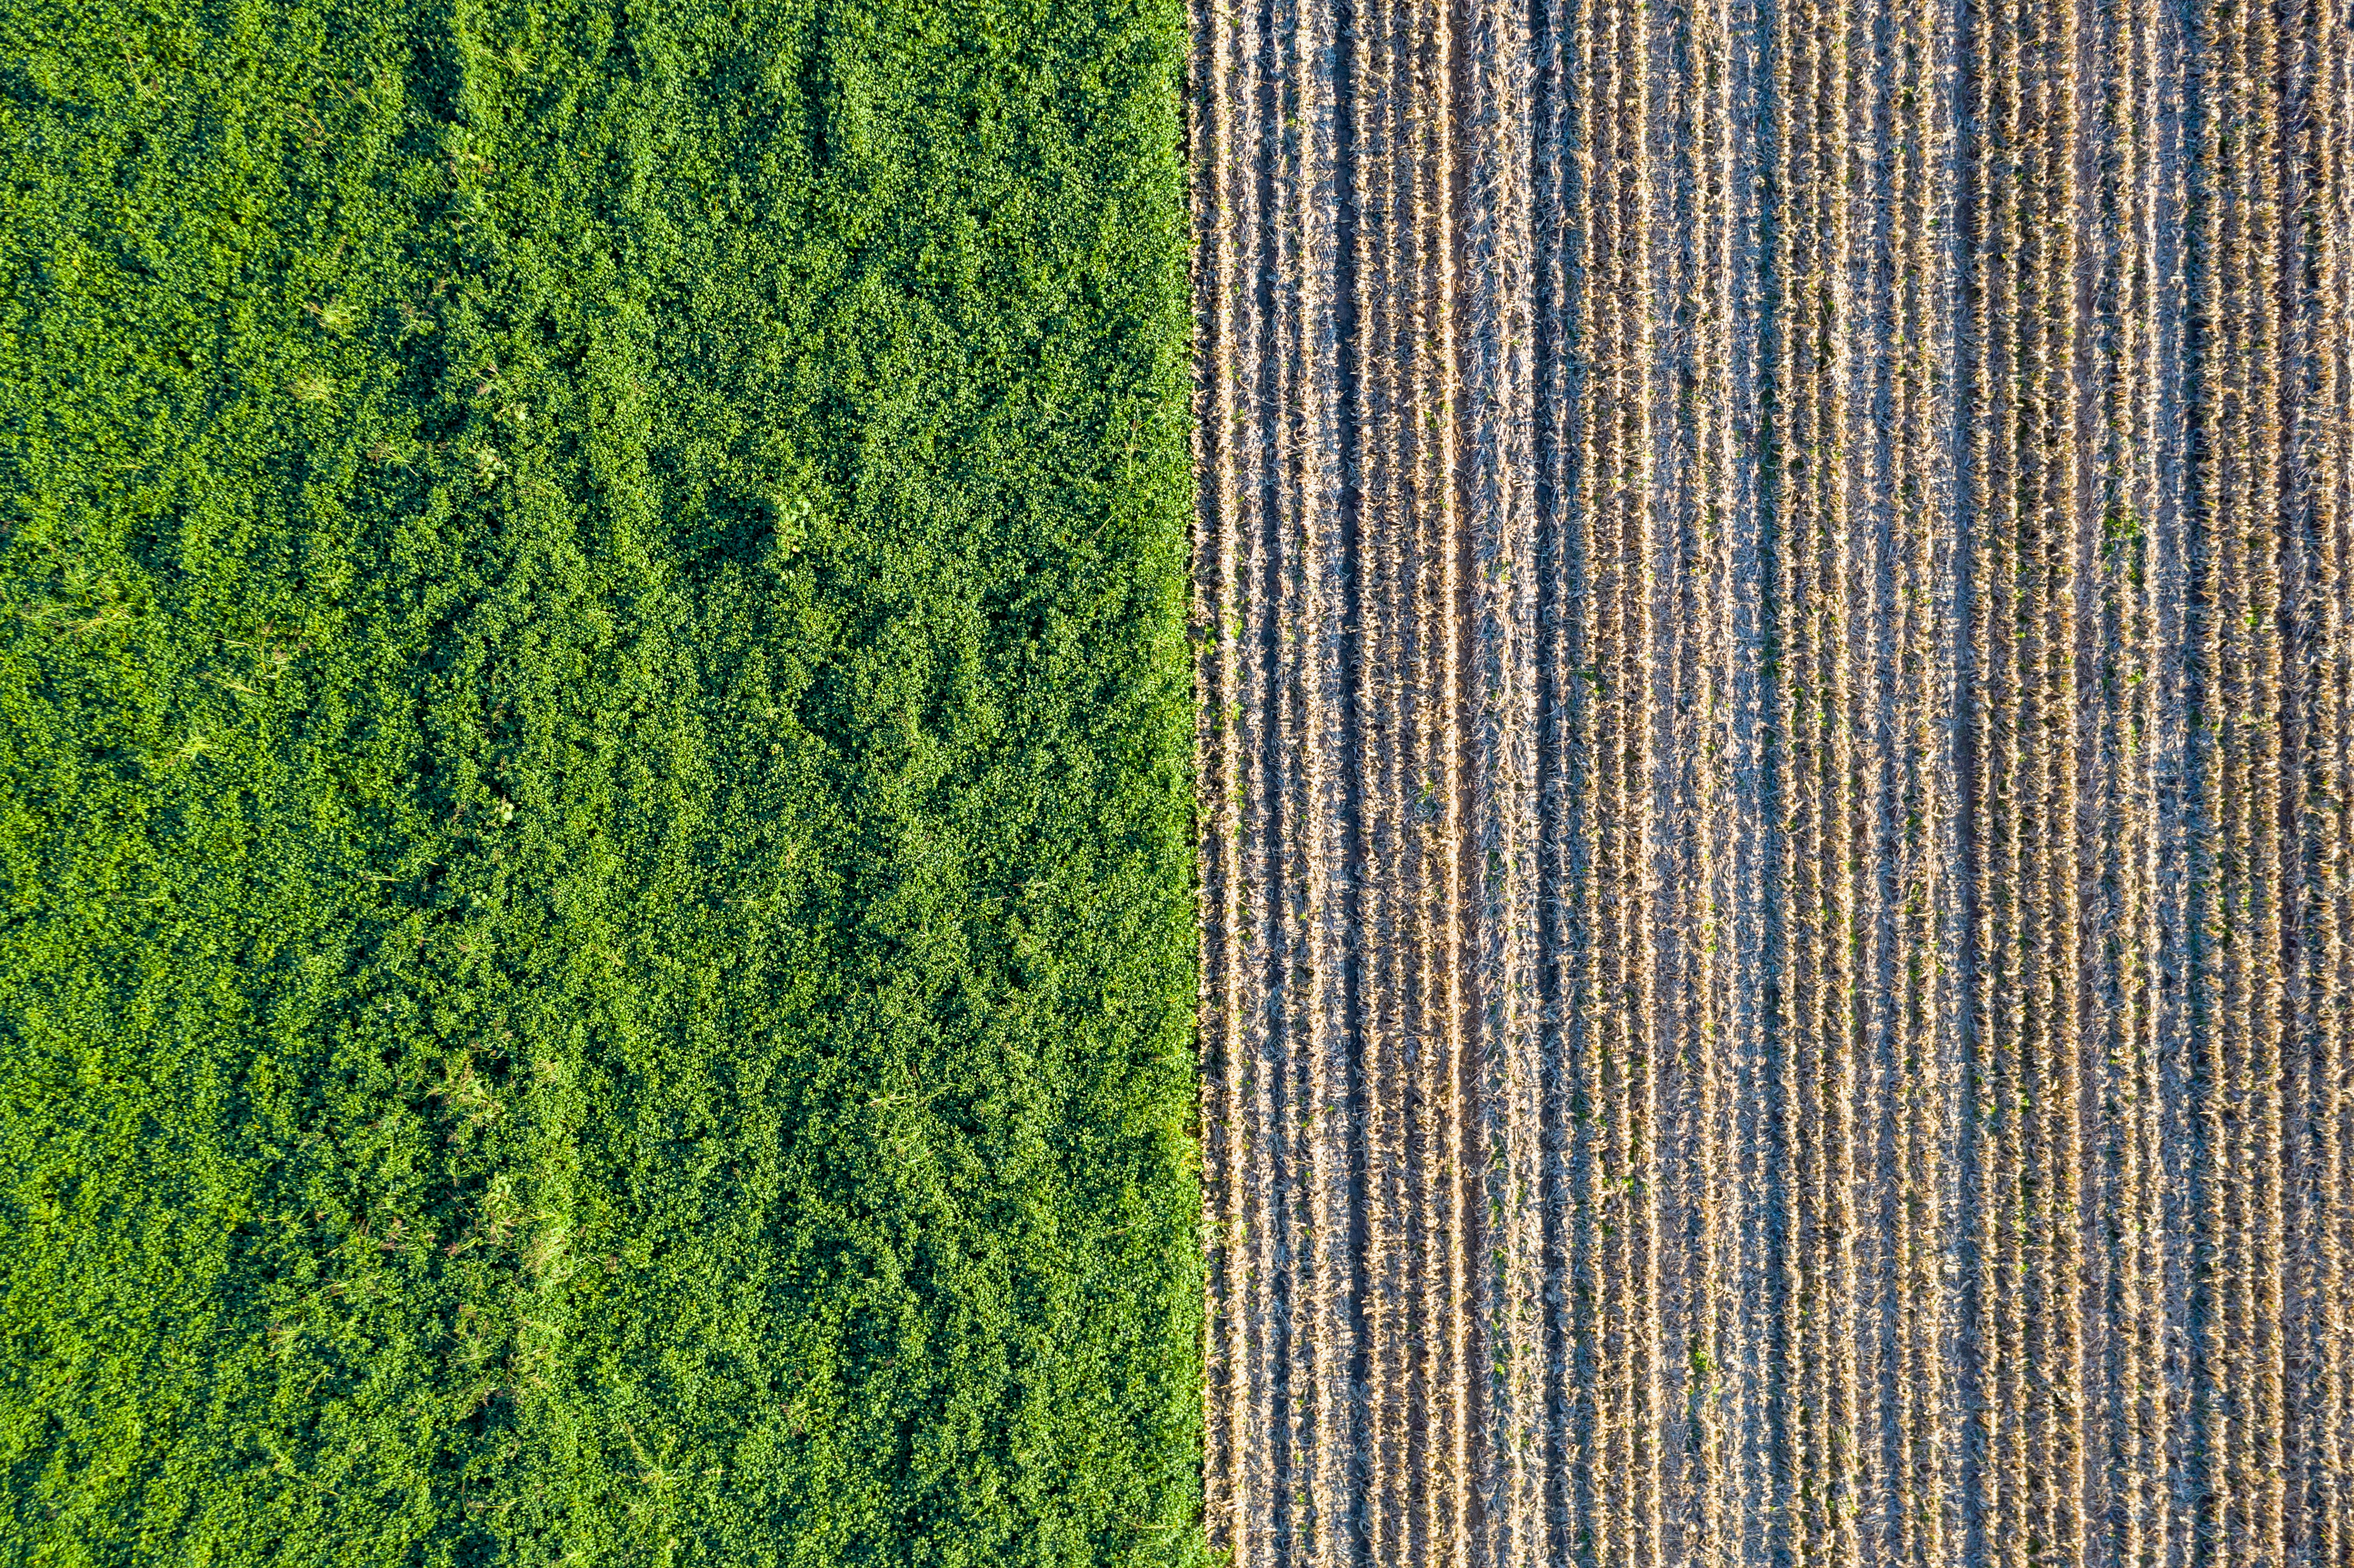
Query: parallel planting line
{"points": [[1777, 825], [2323, 999]]}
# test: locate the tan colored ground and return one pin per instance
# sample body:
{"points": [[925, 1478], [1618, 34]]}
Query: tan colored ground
{"points": [[1778, 686]]}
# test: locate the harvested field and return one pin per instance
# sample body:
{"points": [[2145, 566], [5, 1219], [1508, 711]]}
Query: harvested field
{"points": [[1777, 727]]}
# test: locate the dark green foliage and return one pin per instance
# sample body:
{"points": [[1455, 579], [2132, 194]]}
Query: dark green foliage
{"points": [[593, 784]]}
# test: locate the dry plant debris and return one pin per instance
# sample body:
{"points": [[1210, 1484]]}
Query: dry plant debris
{"points": [[1771, 594]]}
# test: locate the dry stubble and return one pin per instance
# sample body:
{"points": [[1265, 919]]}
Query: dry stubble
{"points": [[1776, 768]]}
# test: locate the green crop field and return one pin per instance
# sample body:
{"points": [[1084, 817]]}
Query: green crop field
{"points": [[594, 784]]}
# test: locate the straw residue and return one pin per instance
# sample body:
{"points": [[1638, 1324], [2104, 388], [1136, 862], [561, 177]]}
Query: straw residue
{"points": [[1776, 752]]}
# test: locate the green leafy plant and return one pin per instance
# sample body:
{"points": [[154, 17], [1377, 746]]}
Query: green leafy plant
{"points": [[597, 950]]}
